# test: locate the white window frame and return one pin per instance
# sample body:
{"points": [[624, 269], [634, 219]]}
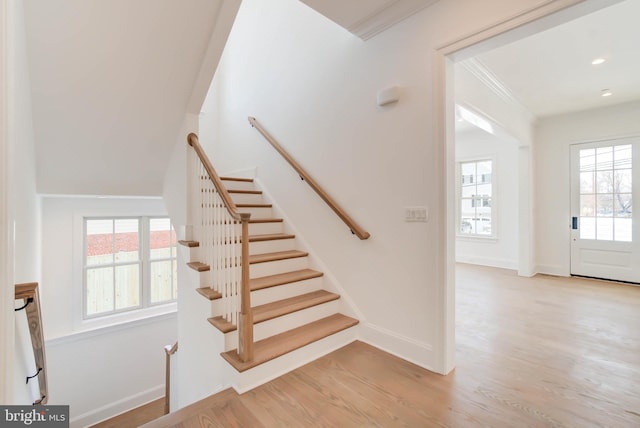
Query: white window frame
{"points": [[494, 207], [146, 309]]}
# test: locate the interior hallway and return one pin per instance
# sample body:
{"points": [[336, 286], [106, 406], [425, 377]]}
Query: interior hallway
{"points": [[542, 351]]}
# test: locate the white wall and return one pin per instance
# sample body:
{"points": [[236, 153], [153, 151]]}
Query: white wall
{"points": [[503, 250], [99, 370], [20, 220], [313, 86], [553, 137]]}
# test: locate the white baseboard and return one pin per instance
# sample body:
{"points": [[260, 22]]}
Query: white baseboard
{"points": [[555, 270], [487, 261], [414, 351], [117, 407]]}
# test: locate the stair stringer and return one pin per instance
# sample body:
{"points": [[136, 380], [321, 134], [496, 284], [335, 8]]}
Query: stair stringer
{"points": [[197, 341], [331, 283]]}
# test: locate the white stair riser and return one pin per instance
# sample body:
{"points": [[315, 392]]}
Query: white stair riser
{"points": [[257, 212], [265, 228], [272, 246], [271, 294], [247, 198], [284, 291], [284, 323], [252, 378], [239, 185], [287, 322], [257, 270]]}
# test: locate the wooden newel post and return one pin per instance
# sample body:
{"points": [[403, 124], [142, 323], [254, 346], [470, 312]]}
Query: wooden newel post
{"points": [[245, 321]]}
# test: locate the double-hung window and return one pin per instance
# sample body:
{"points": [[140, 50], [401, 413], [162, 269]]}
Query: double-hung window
{"points": [[129, 263], [476, 198]]}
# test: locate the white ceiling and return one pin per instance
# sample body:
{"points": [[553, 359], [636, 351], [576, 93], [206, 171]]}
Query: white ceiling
{"points": [[551, 73], [111, 81]]}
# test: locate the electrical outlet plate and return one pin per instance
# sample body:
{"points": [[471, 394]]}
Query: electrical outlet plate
{"points": [[416, 214]]}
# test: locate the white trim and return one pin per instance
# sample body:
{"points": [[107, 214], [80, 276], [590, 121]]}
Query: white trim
{"points": [[113, 328], [524, 22], [117, 407], [6, 219], [487, 261], [414, 351], [387, 16]]}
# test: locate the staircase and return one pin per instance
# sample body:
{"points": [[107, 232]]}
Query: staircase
{"points": [[293, 309]]}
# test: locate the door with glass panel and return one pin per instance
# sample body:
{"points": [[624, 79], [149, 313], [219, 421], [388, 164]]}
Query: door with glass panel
{"points": [[604, 227]]}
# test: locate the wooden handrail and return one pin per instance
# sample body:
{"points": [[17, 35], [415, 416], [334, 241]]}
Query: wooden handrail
{"points": [[194, 142], [29, 292], [245, 320], [169, 350], [353, 226]]}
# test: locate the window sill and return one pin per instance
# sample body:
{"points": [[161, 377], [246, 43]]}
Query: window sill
{"points": [[95, 327], [477, 238]]}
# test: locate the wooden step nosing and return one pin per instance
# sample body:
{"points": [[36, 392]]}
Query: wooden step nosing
{"points": [[269, 281], [198, 266], [321, 329], [248, 205], [245, 192], [246, 180], [190, 244], [276, 256]]}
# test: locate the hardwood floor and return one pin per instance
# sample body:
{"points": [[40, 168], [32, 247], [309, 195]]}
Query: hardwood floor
{"points": [[135, 417], [531, 352]]}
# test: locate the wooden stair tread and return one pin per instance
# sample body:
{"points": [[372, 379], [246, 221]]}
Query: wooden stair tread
{"points": [[270, 237], [189, 244], [209, 293], [279, 308], [254, 205], [279, 255], [283, 278], [198, 266], [245, 192], [222, 324], [283, 343], [247, 180], [282, 307], [265, 220]]}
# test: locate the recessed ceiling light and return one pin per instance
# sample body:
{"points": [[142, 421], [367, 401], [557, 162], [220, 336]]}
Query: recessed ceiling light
{"points": [[598, 61], [606, 93]]}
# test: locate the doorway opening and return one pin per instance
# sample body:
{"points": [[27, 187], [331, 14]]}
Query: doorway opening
{"points": [[533, 22]]}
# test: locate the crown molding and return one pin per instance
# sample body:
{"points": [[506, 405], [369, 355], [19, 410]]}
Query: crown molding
{"points": [[481, 72], [368, 21]]}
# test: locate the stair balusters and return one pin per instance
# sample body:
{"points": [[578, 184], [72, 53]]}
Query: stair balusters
{"points": [[224, 246]]}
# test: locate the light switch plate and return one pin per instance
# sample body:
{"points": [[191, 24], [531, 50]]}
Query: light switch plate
{"points": [[416, 214]]}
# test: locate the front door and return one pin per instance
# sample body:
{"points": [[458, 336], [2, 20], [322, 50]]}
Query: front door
{"points": [[605, 235]]}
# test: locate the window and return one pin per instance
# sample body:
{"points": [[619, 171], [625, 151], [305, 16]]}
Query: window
{"points": [[476, 198], [129, 263]]}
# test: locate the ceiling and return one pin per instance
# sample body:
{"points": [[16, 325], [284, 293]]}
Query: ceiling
{"points": [[111, 82], [550, 73]]}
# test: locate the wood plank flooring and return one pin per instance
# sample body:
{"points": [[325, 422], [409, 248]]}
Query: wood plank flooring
{"points": [[531, 352], [135, 417]]}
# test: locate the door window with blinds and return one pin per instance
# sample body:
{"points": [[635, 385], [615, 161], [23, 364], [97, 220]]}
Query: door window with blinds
{"points": [[476, 198], [129, 263]]}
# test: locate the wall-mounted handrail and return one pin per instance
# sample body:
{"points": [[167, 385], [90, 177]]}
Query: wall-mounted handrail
{"points": [[218, 248], [355, 228], [29, 293], [169, 350]]}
